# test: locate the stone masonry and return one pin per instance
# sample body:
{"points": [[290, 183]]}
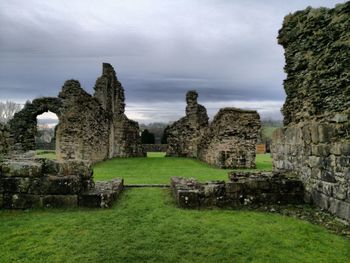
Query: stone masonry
{"points": [[231, 139], [242, 189], [228, 141], [184, 135], [27, 182], [5, 140], [315, 140], [91, 128]]}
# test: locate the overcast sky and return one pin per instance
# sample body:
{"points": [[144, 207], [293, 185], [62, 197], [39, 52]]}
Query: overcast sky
{"points": [[226, 50]]}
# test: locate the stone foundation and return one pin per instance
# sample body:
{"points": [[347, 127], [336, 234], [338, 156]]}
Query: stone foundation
{"points": [[315, 141], [243, 189], [35, 183]]}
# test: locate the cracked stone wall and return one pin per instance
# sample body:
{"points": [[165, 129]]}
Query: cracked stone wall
{"points": [[91, 128], [315, 140], [231, 139], [228, 141]]}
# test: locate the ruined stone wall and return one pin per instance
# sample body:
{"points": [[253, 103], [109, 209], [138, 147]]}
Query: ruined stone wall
{"points": [[23, 125], [91, 128], [5, 140], [30, 183], [184, 135], [83, 130], [231, 139], [315, 141], [243, 189]]}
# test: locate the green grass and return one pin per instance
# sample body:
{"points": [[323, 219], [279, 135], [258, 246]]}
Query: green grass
{"points": [[49, 154], [158, 170], [145, 226]]}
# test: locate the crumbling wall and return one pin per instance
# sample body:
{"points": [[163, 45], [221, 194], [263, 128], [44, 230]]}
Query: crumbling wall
{"points": [[5, 140], [315, 141], [91, 128], [243, 189], [23, 125], [28, 182], [231, 139], [83, 130], [184, 135]]}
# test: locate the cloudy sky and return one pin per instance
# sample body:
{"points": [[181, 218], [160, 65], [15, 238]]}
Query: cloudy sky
{"points": [[226, 50]]}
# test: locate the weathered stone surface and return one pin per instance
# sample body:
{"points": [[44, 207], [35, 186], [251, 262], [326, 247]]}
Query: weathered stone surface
{"points": [[243, 189], [30, 183], [184, 135], [228, 141], [91, 128], [317, 51], [5, 140], [231, 139], [102, 195]]}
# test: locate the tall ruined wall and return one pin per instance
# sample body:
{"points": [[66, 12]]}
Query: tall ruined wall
{"points": [[184, 135], [83, 130], [231, 139], [315, 141], [91, 128], [124, 135]]}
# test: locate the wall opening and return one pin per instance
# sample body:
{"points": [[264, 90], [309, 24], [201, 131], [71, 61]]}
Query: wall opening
{"points": [[45, 137]]}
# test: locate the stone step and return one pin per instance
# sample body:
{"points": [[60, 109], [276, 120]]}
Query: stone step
{"points": [[103, 194], [146, 185]]}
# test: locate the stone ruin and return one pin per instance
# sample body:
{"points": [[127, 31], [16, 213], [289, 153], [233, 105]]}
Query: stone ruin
{"points": [[90, 128], [229, 141], [184, 135], [231, 138], [244, 189], [28, 182], [315, 140]]}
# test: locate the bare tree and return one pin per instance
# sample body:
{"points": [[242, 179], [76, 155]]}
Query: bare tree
{"points": [[7, 110]]}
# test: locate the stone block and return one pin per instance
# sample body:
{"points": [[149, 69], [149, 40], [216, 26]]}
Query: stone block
{"points": [[320, 149], [21, 201], [325, 132], [340, 208], [188, 198], [293, 135], [60, 201], [20, 168], [16, 184]]}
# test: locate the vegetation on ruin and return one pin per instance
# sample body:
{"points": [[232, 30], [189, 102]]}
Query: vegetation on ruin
{"points": [[145, 225]]}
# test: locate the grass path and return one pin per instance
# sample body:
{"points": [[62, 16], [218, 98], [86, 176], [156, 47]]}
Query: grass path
{"points": [[158, 170], [145, 226]]}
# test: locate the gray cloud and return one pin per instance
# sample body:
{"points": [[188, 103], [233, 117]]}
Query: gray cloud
{"points": [[227, 50]]}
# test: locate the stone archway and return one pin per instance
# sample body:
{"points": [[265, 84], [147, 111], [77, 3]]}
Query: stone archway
{"points": [[23, 125]]}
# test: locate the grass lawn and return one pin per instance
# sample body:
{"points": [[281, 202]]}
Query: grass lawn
{"points": [[158, 170], [145, 226]]}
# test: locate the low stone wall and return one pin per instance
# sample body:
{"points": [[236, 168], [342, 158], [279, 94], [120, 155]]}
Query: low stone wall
{"points": [[155, 147], [243, 189], [34, 183]]}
